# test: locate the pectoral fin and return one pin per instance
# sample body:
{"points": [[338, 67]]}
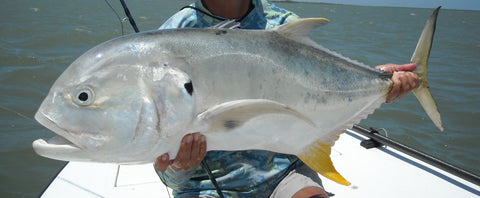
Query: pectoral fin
{"points": [[233, 114], [317, 157]]}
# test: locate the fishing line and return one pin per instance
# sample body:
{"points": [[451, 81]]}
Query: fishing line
{"points": [[386, 134], [116, 14], [207, 169], [17, 113], [21, 115], [127, 12], [168, 191]]}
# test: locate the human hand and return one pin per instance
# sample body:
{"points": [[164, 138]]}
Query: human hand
{"points": [[403, 79], [191, 153]]}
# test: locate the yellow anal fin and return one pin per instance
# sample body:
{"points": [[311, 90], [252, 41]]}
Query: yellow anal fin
{"points": [[317, 157]]}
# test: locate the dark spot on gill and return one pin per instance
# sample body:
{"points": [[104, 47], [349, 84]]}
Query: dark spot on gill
{"points": [[189, 87]]}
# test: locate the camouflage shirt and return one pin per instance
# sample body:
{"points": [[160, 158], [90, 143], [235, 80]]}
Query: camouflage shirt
{"points": [[252, 173], [264, 15]]}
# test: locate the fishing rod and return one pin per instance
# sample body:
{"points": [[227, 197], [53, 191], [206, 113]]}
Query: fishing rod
{"points": [[377, 140], [129, 16]]}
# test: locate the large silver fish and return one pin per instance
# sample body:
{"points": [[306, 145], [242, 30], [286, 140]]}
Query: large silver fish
{"points": [[133, 98]]}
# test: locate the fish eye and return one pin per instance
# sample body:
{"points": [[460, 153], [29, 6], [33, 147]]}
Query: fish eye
{"points": [[84, 96]]}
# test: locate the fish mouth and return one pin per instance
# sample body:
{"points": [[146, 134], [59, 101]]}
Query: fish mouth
{"points": [[55, 145], [62, 146], [42, 147]]}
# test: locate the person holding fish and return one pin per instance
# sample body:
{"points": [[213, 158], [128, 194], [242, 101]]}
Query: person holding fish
{"points": [[251, 173]]}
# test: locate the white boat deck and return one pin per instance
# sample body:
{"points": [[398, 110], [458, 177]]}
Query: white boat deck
{"points": [[382, 172]]}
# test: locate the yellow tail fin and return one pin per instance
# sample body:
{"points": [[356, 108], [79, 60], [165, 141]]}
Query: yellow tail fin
{"points": [[420, 57], [317, 157]]}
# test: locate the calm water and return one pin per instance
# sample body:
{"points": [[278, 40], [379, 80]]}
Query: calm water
{"points": [[39, 39]]}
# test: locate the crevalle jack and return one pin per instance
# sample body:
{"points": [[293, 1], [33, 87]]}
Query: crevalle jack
{"points": [[133, 98]]}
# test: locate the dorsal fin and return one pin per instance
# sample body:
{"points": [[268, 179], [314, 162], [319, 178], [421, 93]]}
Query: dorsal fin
{"points": [[301, 29]]}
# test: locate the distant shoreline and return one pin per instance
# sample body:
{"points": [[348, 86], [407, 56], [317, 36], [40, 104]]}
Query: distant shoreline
{"points": [[454, 5]]}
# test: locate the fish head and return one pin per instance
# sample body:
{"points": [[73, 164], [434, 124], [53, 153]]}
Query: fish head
{"points": [[115, 107]]}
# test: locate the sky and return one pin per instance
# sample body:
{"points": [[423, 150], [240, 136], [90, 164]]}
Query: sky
{"points": [[446, 4]]}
